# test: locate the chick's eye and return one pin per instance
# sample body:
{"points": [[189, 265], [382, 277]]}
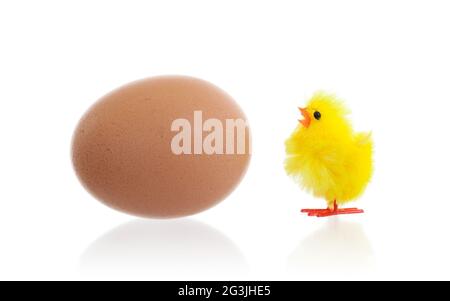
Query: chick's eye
{"points": [[317, 115]]}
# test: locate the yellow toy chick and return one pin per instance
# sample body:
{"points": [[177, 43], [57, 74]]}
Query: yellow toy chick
{"points": [[327, 158]]}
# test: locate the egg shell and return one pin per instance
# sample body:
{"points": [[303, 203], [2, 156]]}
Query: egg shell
{"points": [[122, 154]]}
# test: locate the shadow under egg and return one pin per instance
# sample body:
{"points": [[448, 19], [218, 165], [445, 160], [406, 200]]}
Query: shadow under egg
{"points": [[161, 250]]}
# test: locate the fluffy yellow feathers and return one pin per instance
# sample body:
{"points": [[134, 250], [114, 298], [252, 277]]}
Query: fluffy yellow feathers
{"points": [[325, 155]]}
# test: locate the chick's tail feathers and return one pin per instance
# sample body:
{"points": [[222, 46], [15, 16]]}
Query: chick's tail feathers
{"points": [[364, 139], [362, 160], [365, 148]]}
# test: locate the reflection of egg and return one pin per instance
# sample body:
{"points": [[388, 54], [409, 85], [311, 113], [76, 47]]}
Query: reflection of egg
{"points": [[162, 147], [158, 250]]}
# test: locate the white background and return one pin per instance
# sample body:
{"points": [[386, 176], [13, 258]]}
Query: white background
{"points": [[390, 60]]}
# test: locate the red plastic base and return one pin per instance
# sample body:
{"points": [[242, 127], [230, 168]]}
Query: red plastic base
{"points": [[330, 212]]}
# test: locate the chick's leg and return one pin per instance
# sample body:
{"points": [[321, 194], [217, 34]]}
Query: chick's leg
{"points": [[316, 212], [334, 210]]}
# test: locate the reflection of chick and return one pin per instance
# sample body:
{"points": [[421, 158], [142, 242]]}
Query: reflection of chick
{"points": [[337, 249], [327, 157]]}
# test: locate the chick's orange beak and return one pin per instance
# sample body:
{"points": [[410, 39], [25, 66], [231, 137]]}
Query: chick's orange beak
{"points": [[306, 117]]}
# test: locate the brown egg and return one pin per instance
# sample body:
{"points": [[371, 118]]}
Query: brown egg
{"points": [[162, 147]]}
